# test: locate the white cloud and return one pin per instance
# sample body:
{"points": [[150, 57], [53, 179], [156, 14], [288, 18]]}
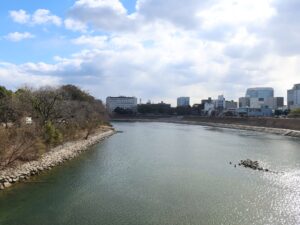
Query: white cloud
{"points": [[107, 15], [40, 16], [17, 36], [235, 13], [173, 47], [93, 41], [180, 13], [44, 16], [13, 77], [75, 25], [20, 16]]}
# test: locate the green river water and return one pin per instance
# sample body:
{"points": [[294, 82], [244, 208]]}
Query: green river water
{"points": [[165, 174]]}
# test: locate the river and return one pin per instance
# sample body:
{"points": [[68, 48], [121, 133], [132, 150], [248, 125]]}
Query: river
{"points": [[165, 174]]}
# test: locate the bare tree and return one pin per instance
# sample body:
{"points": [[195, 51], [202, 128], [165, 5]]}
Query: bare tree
{"points": [[16, 143], [45, 103]]}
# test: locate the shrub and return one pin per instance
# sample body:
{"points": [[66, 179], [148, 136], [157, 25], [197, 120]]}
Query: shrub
{"points": [[52, 135], [295, 113]]}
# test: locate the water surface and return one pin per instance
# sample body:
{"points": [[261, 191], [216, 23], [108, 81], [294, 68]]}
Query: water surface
{"points": [[165, 174]]}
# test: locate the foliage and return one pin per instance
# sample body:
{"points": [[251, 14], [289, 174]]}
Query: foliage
{"points": [[183, 110], [295, 113], [52, 135], [4, 92], [16, 143], [71, 92], [122, 111], [59, 114], [159, 108]]}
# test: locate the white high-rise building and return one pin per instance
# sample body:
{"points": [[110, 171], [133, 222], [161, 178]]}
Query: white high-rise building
{"points": [[294, 97], [183, 101], [122, 102], [220, 103], [261, 97]]}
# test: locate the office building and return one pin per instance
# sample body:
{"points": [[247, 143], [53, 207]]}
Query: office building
{"points": [[121, 102], [220, 103], [230, 105], [244, 102], [278, 103], [183, 101], [294, 97]]}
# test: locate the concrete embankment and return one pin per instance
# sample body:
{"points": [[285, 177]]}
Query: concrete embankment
{"points": [[49, 160], [278, 131], [281, 123]]}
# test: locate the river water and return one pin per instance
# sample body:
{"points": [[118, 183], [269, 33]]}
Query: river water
{"points": [[165, 174]]}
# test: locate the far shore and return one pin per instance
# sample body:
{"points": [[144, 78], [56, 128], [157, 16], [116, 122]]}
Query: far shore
{"points": [[232, 125], [51, 159]]}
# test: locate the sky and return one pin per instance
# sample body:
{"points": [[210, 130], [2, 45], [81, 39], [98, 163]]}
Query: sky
{"points": [[152, 49]]}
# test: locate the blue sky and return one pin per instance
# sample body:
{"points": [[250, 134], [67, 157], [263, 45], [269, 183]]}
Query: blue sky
{"points": [[151, 49]]}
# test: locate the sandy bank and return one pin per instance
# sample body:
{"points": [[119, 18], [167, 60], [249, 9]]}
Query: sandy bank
{"points": [[49, 160]]}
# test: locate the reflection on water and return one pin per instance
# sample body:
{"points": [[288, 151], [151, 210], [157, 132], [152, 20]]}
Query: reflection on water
{"points": [[156, 173]]}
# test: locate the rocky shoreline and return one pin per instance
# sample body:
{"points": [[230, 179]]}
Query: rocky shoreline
{"points": [[53, 158]]}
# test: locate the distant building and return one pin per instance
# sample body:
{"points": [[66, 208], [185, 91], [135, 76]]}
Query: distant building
{"points": [[203, 101], [261, 97], [255, 112], [230, 105], [294, 97], [244, 102], [220, 103], [260, 92], [278, 103], [183, 101], [121, 102], [208, 107]]}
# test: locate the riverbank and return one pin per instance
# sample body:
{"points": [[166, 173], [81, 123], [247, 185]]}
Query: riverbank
{"points": [[278, 131], [50, 159]]}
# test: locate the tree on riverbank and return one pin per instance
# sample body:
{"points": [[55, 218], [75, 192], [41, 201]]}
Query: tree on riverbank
{"points": [[295, 113], [59, 115]]}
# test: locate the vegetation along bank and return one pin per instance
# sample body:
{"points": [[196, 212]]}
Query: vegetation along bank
{"points": [[41, 128]]}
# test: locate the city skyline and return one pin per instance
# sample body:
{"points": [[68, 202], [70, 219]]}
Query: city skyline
{"points": [[198, 100], [149, 48]]}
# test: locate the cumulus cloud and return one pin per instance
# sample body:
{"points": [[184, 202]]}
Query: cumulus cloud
{"points": [[14, 77], [170, 48], [235, 13], [75, 25], [20, 16], [108, 15], [40, 16], [44, 16], [17, 36], [93, 41], [180, 13], [282, 29]]}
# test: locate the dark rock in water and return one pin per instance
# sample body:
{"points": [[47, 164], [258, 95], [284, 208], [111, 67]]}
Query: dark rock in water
{"points": [[230, 163], [252, 165]]}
